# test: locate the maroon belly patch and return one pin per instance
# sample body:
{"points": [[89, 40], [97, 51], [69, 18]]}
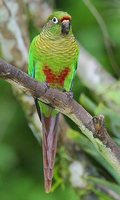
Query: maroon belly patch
{"points": [[56, 79]]}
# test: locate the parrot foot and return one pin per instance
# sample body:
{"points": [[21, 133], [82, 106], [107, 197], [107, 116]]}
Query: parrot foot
{"points": [[69, 94], [47, 86]]}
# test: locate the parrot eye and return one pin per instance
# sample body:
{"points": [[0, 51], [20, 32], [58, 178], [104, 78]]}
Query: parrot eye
{"points": [[55, 20]]}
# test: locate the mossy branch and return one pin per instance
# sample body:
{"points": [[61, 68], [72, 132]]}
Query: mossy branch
{"points": [[92, 127]]}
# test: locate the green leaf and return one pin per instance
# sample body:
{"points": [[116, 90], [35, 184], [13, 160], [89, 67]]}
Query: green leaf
{"points": [[112, 186]]}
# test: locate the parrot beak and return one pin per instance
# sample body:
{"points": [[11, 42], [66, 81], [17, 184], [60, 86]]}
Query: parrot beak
{"points": [[65, 26]]}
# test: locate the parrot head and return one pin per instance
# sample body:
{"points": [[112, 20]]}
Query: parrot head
{"points": [[59, 23]]}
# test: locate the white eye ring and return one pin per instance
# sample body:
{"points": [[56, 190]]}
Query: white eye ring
{"points": [[55, 20]]}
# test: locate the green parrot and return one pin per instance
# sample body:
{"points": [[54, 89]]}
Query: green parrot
{"points": [[53, 56]]}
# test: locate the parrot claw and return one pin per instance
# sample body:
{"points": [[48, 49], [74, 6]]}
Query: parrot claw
{"points": [[69, 94], [47, 86]]}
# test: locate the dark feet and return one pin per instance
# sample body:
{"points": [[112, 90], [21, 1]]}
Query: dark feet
{"points": [[69, 94], [47, 86]]}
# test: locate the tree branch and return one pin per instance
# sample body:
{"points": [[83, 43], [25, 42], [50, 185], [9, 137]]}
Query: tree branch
{"points": [[93, 128]]}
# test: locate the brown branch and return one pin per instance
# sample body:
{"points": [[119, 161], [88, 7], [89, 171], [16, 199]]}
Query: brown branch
{"points": [[93, 129]]}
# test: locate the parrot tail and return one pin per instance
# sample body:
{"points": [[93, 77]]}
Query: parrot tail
{"points": [[50, 135]]}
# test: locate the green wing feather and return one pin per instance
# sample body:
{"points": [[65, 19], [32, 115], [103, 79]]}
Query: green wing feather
{"points": [[32, 60]]}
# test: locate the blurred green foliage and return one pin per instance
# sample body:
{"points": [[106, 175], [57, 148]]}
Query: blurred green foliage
{"points": [[21, 172]]}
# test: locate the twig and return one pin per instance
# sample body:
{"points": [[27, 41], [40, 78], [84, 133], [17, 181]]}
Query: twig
{"points": [[93, 129]]}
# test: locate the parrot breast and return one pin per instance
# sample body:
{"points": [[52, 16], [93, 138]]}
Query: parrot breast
{"points": [[56, 79]]}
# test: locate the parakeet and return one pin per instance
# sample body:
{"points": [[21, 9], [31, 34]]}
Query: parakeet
{"points": [[53, 56]]}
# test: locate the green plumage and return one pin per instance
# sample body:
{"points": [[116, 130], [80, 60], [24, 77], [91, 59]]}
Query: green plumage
{"points": [[53, 59]]}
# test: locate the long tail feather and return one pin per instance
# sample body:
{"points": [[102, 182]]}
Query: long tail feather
{"points": [[50, 125]]}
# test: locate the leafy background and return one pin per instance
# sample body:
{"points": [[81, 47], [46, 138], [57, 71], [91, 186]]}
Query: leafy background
{"points": [[21, 171]]}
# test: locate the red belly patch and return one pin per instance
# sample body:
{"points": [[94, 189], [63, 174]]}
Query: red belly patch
{"points": [[56, 79]]}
